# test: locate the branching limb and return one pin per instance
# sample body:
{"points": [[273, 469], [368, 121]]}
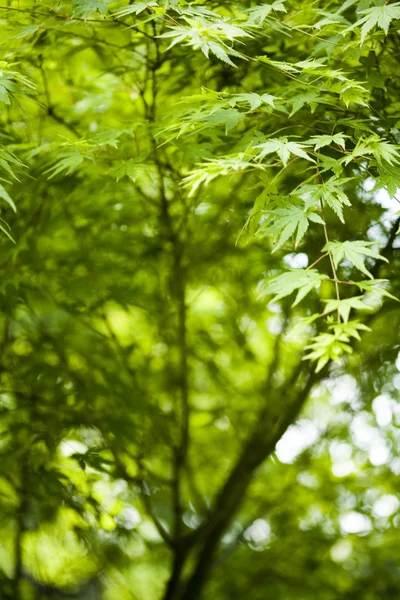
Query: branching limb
{"points": [[259, 446]]}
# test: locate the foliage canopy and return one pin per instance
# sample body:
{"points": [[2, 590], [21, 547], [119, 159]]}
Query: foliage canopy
{"points": [[199, 222]]}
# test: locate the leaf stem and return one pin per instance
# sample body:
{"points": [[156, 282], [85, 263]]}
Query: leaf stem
{"points": [[335, 279], [317, 261], [339, 281]]}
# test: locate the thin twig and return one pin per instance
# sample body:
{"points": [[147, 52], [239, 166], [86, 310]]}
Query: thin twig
{"points": [[317, 261]]}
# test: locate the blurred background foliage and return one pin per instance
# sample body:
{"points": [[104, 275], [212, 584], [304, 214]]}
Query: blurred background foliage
{"points": [[136, 352]]}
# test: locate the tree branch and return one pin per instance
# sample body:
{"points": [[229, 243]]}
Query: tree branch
{"points": [[259, 446]]}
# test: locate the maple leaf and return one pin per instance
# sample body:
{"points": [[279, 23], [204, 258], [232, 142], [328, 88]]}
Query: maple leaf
{"points": [[353, 252], [329, 192], [283, 148], [331, 346], [302, 280], [287, 221], [344, 306], [377, 16], [320, 141], [380, 149]]}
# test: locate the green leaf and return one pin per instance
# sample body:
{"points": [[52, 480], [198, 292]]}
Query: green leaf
{"points": [[320, 141], [250, 227], [26, 31], [283, 148], [389, 178], [354, 95], [284, 222], [7, 158], [258, 14], [214, 168], [310, 97], [333, 195], [135, 8], [353, 252], [302, 280], [331, 346], [253, 99], [209, 33], [219, 51], [378, 147], [5, 229], [376, 287], [329, 192], [129, 168], [12, 82], [377, 16], [279, 65], [344, 306], [69, 162], [85, 8], [6, 197]]}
